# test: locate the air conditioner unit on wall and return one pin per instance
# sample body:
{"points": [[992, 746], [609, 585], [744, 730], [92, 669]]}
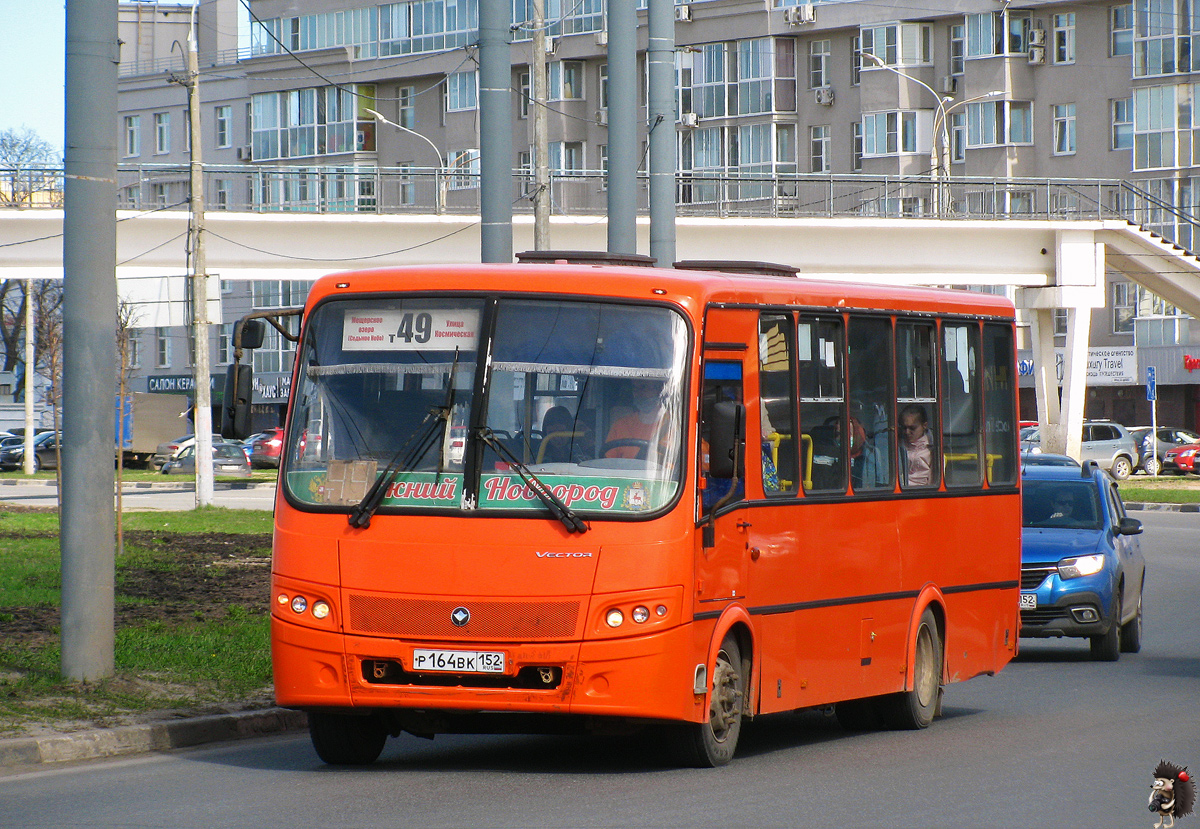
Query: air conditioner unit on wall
{"points": [[795, 15], [602, 37], [602, 116], [689, 119], [683, 13], [824, 96], [245, 153], [1037, 37], [1037, 55], [948, 85]]}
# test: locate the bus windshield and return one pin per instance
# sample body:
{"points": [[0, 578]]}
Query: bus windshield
{"points": [[585, 396]]}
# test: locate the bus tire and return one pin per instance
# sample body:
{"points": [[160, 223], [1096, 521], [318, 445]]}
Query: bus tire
{"points": [[345, 739], [915, 709], [713, 742]]}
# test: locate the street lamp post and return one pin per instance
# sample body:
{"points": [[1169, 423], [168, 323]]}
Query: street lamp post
{"points": [[939, 163], [440, 190]]}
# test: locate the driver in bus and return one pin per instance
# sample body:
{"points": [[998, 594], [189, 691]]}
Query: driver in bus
{"points": [[642, 426]]}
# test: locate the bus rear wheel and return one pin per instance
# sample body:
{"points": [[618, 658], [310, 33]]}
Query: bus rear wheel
{"points": [[914, 709], [346, 739], [713, 742]]}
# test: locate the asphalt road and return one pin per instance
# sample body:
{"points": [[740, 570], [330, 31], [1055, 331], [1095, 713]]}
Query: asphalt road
{"points": [[1055, 739], [135, 498]]}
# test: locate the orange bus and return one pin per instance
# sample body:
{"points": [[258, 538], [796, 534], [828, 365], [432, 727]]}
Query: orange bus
{"points": [[542, 497]]}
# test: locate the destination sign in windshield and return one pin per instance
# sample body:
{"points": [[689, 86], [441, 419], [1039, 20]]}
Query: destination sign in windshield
{"points": [[425, 329]]}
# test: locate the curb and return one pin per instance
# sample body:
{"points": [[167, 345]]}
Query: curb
{"points": [[1150, 506], [140, 739]]}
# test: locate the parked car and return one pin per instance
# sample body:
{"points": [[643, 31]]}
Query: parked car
{"points": [[266, 448], [1107, 443], [1181, 460], [1082, 569], [228, 460], [171, 448], [12, 455], [1047, 459], [1169, 437]]}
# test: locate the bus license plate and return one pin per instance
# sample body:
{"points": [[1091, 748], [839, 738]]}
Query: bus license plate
{"points": [[1029, 601], [459, 662]]}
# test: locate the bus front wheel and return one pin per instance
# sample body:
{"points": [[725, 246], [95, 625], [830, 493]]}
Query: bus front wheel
{"points": [[915, 708], [346, 739], [713, 742]]}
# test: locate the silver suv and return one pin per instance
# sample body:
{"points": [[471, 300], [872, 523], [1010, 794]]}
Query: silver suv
{"points": [[1107, 443]]}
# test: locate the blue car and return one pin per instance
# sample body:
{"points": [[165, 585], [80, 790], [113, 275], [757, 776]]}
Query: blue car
{"points": [[1082, 569]]}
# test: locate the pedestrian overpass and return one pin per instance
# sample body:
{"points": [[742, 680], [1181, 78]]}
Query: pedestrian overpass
{"points": [[1051, 263]]}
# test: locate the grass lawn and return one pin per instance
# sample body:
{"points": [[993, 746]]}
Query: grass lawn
{"points": [[191, 620]]}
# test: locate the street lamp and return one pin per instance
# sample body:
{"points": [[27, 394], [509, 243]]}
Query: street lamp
{"points": [[440, 190], [939, 163]]}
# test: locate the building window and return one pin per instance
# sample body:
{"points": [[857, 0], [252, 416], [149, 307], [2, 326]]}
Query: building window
{"points": [[225, 343], [1124, 307], [566, 80], [897, 44], [566, 157], [221, 190], [1120, 28], [754, 65], [312, 121], [889, 133], [162, 343], [158, 194], [224, 122], [992, 123], [461, 92], [133, 136], [1153, 127], [1064, 38], [708, 81], [1060, 322], [958, 49], [997, 33], [463, 169], [1122, 123], [856, 60], [526, 94], [958, 137], [1064, 129], [819, 143], [856, 147], [162, 132], [408, 110], [133, 348], [818, 64]]}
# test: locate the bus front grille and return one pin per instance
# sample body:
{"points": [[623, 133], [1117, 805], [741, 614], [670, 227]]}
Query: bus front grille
{"points": [[489, 620]]}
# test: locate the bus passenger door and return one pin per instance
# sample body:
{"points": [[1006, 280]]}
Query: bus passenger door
{"points": [[723, 552]]}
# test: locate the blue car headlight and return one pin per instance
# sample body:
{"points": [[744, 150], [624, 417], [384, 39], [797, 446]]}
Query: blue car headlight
{"points": [[1072, 568]]}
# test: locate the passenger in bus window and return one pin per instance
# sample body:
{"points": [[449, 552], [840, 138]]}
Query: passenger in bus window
{"points": [[630, 436], [563, 440], [918, 454]]}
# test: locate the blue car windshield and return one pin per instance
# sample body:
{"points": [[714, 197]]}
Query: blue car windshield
{"points": [[1062, 504]]}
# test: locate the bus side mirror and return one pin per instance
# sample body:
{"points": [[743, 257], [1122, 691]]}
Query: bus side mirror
{"points": [[248, 333], [235, 411], [726, 440]]}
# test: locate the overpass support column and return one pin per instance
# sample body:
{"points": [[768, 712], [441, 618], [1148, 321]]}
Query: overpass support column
{"points": [[1078, 287]]}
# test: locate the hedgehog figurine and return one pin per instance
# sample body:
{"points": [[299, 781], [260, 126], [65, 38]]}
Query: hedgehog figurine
{"points": [[1172, 795]]}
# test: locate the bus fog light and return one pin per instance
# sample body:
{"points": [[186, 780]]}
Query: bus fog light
{"points": [[282, 598], [299, 604], [320, 610], [640, 614], [614, 618], [661, 610]]}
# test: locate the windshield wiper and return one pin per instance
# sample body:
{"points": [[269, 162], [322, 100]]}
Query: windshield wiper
{"points": [[360, 516], [557, 508]]}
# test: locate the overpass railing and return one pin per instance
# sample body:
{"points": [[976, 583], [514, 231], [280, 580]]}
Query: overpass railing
{"points": [[363, 189]]}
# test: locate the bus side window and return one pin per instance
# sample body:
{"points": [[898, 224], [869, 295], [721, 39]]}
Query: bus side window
{"points": [[777, 404], [916, 404], [722, 383], [823, 449], [869, 346], [961, 434], [1000, 422]]}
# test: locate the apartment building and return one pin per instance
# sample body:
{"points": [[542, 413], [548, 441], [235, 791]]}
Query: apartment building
{"points": [[770, 93]]}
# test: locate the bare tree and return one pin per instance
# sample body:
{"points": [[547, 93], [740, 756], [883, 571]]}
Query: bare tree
{"points": [[48, 344], [126, 316], [30, 170]]}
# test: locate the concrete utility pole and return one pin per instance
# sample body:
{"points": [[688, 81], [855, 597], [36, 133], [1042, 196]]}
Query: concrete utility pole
{"points": [[622, 127], [202, 413], [495, 131], [661, 111], [541, 145], [89, 359]]}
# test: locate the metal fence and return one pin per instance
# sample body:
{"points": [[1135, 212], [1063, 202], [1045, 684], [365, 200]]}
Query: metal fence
{"points": [[395, 190]]}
